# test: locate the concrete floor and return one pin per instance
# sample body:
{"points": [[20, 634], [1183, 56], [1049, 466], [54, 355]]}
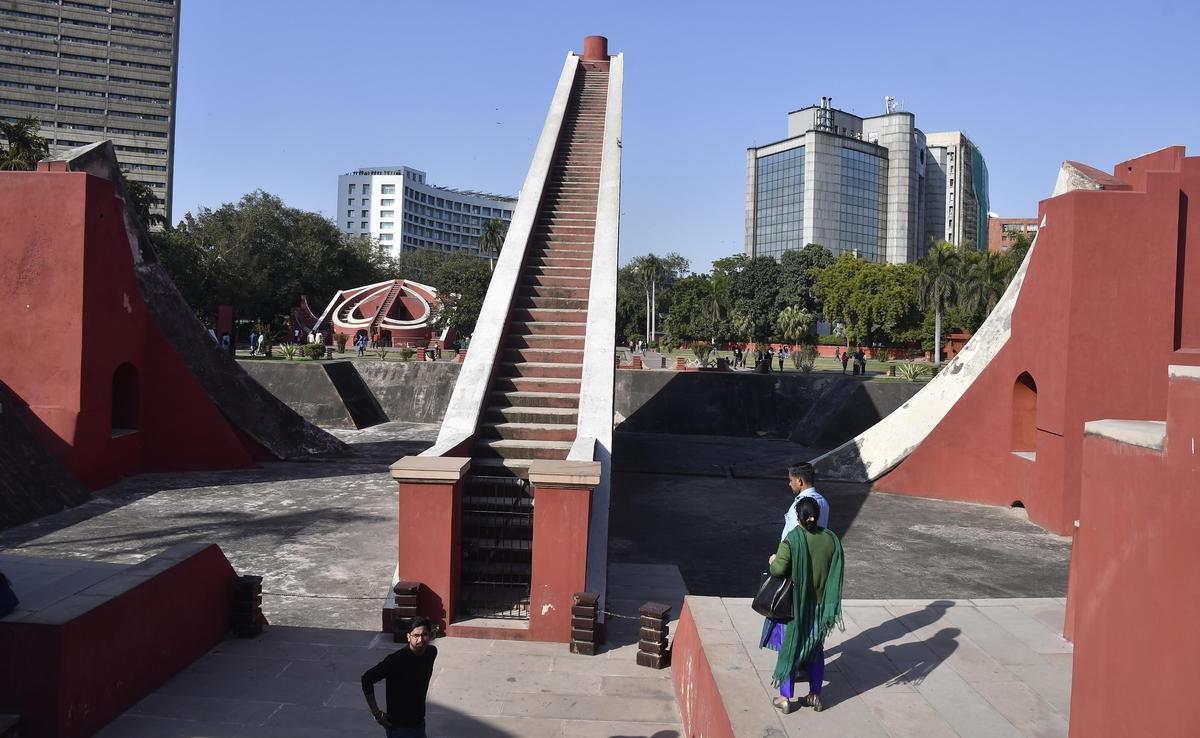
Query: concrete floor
{"points": [[713, 506], [323, 532]]}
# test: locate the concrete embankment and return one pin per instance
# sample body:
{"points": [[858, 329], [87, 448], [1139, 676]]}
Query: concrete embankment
{"points": [[359, 394], [817, 410]]}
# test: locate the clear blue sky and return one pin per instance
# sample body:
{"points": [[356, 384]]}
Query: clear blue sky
{"points": [[285, 95]]}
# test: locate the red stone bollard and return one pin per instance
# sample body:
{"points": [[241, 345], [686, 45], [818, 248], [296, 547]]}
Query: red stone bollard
{"points": [[462, 356], [420, 353], [636, 363], [680, 364]]}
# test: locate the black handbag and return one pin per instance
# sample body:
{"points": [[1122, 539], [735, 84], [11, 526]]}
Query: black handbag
{"points": [[774, 598]]}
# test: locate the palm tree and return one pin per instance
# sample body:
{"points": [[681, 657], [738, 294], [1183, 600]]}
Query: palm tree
{"points": [[25, 147], [650, 268], [793, 323], [718, 301], [983, 284], [491, 239], [937, 287]]}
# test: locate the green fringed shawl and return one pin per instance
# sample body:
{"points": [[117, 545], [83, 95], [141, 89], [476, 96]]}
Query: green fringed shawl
{"points": [[811, 621]]}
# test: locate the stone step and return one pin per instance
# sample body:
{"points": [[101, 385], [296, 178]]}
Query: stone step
{"points": [[560, 271], [540, 369], [542, 314], [529, 431], [544, 355], [543, 391], [550, 342], [515, 449], [551, 303], [548, 281], [547, 328], [532, 414], [498, 467], [566, 229], [530, 290]]}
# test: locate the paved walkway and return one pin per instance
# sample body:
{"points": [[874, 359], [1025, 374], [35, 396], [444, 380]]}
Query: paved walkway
{"points": [[911, 669]]}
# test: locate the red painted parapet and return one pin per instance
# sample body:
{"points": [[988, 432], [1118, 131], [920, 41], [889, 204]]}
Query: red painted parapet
{"points": [[1016, 434], [1134, 589], [430, 530], [562, 493], [75, 665], [696, 692]]}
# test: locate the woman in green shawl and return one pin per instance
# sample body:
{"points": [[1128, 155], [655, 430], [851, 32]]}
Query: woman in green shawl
{"points": [[812, 556]]}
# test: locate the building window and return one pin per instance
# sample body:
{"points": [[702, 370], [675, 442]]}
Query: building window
{"points": [[387, 213], [351, 188], [366, 189], [387, 203], [349, 213], [385, 237], [362, 226], [365, 202], [385, 225], [350, 201], [779, 203], [387, 189], [364, 213]]}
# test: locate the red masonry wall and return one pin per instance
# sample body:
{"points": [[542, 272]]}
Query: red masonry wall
{"points": [[1107, 264], [75, 315], [1134, 588]]}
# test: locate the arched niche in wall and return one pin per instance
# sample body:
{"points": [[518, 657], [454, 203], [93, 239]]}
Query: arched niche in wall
{"points": [[126, 400], [1024, 416]]}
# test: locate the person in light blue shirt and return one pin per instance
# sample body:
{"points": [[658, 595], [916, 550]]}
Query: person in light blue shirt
{"points": [[802, 480]]}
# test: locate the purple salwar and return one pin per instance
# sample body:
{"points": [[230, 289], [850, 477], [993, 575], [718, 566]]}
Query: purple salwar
{"points": [[815, 667]]}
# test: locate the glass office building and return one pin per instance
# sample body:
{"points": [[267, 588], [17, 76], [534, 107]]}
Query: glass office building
{"points": [[871, 186]]}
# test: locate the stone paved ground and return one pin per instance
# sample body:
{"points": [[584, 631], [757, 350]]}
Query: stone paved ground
{"points": [[304, 683], [713, 506], [981, 668]]}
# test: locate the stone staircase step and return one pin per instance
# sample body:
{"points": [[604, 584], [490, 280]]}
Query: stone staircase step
{"points": [[529, 431], [540, 314], [498, 467], [547, 328], [554, 342], [552, 303], [540, 369], [546, 280], [519, 449], [532, 398], [544, 355], [531, 414], [532, 290]]}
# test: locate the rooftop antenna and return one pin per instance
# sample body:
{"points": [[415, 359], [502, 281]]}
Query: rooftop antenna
{"points": [[889, 104]]}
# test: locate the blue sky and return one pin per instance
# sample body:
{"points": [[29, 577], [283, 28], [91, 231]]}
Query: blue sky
{"points": [[285, 95]]}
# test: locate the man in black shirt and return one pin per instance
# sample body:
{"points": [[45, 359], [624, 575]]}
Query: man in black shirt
{"points": [[406, 673]]}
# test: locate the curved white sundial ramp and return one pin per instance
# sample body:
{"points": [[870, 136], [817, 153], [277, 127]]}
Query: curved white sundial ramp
{"points": [[877, 450]]}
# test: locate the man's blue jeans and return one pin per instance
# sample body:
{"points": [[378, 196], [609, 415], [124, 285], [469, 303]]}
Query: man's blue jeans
{"points": [[412, 731]]}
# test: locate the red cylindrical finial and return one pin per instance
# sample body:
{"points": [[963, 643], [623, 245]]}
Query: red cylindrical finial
{"points": [[595, 48]]}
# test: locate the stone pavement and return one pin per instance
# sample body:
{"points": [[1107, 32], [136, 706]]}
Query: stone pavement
{"points": [[304, 683], [983, 668]]}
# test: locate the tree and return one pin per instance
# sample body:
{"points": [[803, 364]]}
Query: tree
{"points": [[754, 293], [657, 275], [688, 318], [938, 287], [259, 256], [491, 239], [799, 274], [461, 281], [25, 147], [143, 200], [867, 297], [794, 323], [718, 303], [1014, 255], [982, 285]]}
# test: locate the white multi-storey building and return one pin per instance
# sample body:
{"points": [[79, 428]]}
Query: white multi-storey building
{"points": [[395, 206]]}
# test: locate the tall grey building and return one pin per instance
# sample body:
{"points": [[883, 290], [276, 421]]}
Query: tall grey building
{"points": [[858, 185], [95, 70]]}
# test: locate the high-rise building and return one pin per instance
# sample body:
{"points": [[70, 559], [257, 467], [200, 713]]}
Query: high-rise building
{"points": [[956, 167], [860, 185], [395, 206], [89, 71]]}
